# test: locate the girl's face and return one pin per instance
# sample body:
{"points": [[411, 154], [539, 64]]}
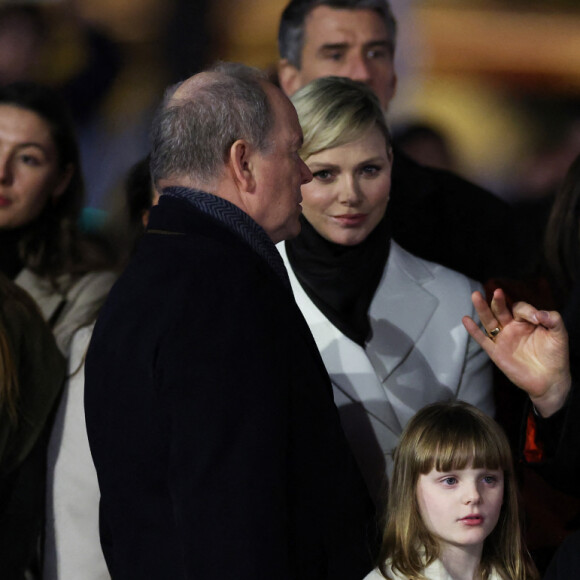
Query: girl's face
{"points": [[29, 170], [461, 507], [349, 193]]}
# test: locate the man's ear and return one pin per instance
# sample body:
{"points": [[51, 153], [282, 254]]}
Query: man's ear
{"points": [[241, 162], [289, 77]]}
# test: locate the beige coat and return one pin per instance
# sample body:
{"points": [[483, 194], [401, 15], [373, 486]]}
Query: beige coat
{"points": [[72, 305]]}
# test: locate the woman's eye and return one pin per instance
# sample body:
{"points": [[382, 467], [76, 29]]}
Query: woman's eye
{"points": [[370, 170], [323, 175], [30, 160]]}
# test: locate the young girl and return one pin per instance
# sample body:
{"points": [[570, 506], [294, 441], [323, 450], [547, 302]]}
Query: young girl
{"points": [[460, 521]]}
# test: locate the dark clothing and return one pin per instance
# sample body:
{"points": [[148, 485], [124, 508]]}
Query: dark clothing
{"points": [[210, 416], [40, 370], [10, 261], [559, 438], [341, 280], [566, 563], [441, 217]]}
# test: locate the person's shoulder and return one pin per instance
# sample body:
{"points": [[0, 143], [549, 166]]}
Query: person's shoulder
{"points": [[97, 284], [431, 272], [22, 322], [439, 181], [18, 310], [376, 574]]}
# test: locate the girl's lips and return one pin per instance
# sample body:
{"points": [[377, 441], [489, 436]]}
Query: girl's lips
{"points": [[350, 220], [4, 201], [472, 520]]}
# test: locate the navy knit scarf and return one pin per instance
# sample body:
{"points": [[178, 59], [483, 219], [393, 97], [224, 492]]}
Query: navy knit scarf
{"points": [[237, 221]]}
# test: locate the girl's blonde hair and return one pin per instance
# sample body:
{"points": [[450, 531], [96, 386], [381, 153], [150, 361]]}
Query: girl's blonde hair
{"points": [[334, 111], [448, 436]]}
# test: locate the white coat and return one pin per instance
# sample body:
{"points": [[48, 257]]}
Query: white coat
{"points": [[435, 571], [419, 353]]}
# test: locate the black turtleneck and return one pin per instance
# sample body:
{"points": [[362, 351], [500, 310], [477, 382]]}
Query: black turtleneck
{"points": [[341, 280]]}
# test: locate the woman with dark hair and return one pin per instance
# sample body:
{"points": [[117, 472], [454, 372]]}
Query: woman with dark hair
{"points": [[41, 196], [31, 376]]}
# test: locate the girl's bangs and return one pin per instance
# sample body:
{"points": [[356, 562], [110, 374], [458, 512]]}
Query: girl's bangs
{"points": [[459, 445]]}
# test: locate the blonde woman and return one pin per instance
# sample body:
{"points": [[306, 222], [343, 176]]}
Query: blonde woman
{"points": [[387, 324]]}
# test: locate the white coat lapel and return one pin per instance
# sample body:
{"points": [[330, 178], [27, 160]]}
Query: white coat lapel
{"points": [[346, 362], [399, 312]]}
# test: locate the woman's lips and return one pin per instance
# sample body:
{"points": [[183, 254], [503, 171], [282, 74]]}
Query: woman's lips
{"points": [[472, 520], [350, 220]]}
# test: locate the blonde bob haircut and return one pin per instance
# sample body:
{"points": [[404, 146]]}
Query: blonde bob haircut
{"points": [[447, 436], [334, 111]]}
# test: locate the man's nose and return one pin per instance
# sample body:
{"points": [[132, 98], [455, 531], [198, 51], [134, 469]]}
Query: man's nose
{"points": [[360, 69]]}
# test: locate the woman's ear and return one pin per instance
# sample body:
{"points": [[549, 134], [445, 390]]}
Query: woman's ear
{"points": [[241, 163], [63, 181]]}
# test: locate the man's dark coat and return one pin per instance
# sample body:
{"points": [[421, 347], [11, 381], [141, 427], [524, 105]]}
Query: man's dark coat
{"points": [[211, 420], [441, 217]]}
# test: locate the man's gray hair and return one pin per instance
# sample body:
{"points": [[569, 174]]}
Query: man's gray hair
{"points": [[193, 136], [291, 31]]}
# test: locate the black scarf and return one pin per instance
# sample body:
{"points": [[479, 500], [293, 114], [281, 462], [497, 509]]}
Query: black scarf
{"points": [[237, 221], [341, 280], [10, 262]]}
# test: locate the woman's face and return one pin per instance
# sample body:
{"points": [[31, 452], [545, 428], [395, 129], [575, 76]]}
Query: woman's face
{"points": [[29, 170], [349, 193]]}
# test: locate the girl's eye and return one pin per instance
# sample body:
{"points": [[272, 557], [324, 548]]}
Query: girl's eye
{"points": [[490, 479], [322, 175], [449, 480]]}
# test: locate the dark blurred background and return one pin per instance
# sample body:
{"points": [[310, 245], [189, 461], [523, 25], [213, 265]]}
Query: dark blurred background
{"points": [[496, 82]]}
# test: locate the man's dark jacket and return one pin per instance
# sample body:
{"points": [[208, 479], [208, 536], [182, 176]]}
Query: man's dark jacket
{"points": [[441, 217], [211, 420]]}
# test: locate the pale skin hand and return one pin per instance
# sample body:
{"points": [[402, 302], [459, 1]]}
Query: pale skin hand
{"points": [[531, 349]]}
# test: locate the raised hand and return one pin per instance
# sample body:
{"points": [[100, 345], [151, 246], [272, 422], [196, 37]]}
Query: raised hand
{"points": [[529, 346]]}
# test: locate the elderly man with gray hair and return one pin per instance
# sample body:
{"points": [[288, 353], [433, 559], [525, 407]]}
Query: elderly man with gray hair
{"points": [[217, 444]]}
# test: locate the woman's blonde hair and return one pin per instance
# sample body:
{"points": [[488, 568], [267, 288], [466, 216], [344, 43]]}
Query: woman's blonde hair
{"points": [[334, 111], [447, 436]]}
